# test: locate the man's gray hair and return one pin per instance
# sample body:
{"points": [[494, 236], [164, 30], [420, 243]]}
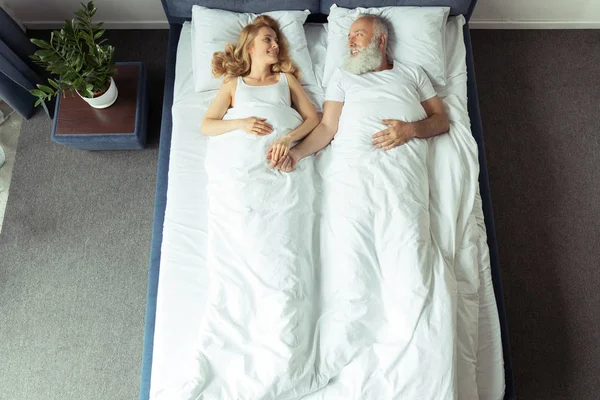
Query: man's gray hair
{"points": [[379, 25]]}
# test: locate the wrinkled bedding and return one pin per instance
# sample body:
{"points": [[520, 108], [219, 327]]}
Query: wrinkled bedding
{"points": [[259, 324], [369, 358]]}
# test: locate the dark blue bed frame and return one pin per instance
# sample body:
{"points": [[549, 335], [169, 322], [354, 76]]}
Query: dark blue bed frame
{"points": [[179, 11]]}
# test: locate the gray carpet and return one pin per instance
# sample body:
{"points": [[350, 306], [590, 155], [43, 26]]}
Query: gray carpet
{"points": [[75, 246], [540, 107], [74, 255]]}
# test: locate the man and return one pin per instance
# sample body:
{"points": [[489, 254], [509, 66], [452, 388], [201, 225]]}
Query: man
{"points": [[387, 297], [367, 58]]}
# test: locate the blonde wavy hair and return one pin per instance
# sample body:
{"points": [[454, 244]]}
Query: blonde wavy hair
{"points": [[235, 60]]}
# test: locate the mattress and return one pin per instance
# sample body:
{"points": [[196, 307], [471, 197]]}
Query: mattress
{"points": [[183, 279]]}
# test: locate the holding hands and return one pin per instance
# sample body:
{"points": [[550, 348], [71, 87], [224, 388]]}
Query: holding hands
{"points": [[279, 150], [279, 154], [398, 133], [286, 163]]}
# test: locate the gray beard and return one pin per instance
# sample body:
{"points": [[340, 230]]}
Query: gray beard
{"points": [[367, 60]]}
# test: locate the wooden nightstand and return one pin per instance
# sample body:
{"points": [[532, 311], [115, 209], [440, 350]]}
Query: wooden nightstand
{"points": [[119, 127]]}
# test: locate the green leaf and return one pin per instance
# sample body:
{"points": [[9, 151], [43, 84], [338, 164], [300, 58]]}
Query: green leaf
{"points": [[72, 57], [41, 43], [86, 36], [37, 92], [61, 69], [54, 84], [43, 54], [45, 88], [70, 76], [79, 62], [87, 93], [99, 33], [38, 102]]}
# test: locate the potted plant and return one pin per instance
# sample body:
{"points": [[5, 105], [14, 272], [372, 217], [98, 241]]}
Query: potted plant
{"points": [[77, 55]]}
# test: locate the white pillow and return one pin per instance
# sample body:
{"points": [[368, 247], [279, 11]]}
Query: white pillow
{"points": [[416, 36], [316, 37], [212, 29]]}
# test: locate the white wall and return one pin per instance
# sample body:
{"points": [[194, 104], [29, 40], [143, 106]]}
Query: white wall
{"points": [[132, 14], [126, 14], [536, 14]]}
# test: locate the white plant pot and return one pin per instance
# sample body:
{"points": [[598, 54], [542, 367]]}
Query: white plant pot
{"points": [[106, 99]]}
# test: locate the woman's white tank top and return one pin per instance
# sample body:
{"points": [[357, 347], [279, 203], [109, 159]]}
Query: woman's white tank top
{"points": [[277, 94]]}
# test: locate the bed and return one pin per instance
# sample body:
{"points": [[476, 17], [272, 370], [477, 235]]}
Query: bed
{"points": [[178, 284]]}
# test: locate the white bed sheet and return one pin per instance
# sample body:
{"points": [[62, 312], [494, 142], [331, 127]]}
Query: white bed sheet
{"points": [[183, 279]]}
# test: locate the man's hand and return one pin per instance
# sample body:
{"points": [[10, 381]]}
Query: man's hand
{"points": [[286, 163], [398, 133]]}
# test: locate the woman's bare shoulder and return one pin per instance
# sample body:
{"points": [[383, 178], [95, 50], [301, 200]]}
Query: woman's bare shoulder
{"points": [[229, 83], [292, 80]]}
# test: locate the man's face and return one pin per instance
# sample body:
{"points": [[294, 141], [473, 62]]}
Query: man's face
{"points": [[360, 35], [365, 54]]}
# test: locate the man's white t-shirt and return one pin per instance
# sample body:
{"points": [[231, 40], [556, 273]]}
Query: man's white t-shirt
{"points": [[396, 93], [401, 82]]}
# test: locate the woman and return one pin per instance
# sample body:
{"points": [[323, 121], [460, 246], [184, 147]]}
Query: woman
{"points": [[259, 67], [257, 336]]}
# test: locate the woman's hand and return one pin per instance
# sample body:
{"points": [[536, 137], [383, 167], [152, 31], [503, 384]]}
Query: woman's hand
{"points": [[279, 149], [256, 126]]}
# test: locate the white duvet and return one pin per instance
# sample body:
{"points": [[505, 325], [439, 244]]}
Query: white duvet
{"points": [[373, 301], [258, 329], [351, 299], [423, 297], [456, 207], [382, 268]]}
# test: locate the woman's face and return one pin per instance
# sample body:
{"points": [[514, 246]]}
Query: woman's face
{"points": [[265, 47]]}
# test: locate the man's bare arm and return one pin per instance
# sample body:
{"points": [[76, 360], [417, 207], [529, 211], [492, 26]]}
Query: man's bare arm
{"points": [[436, 122], [323, 133]]}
